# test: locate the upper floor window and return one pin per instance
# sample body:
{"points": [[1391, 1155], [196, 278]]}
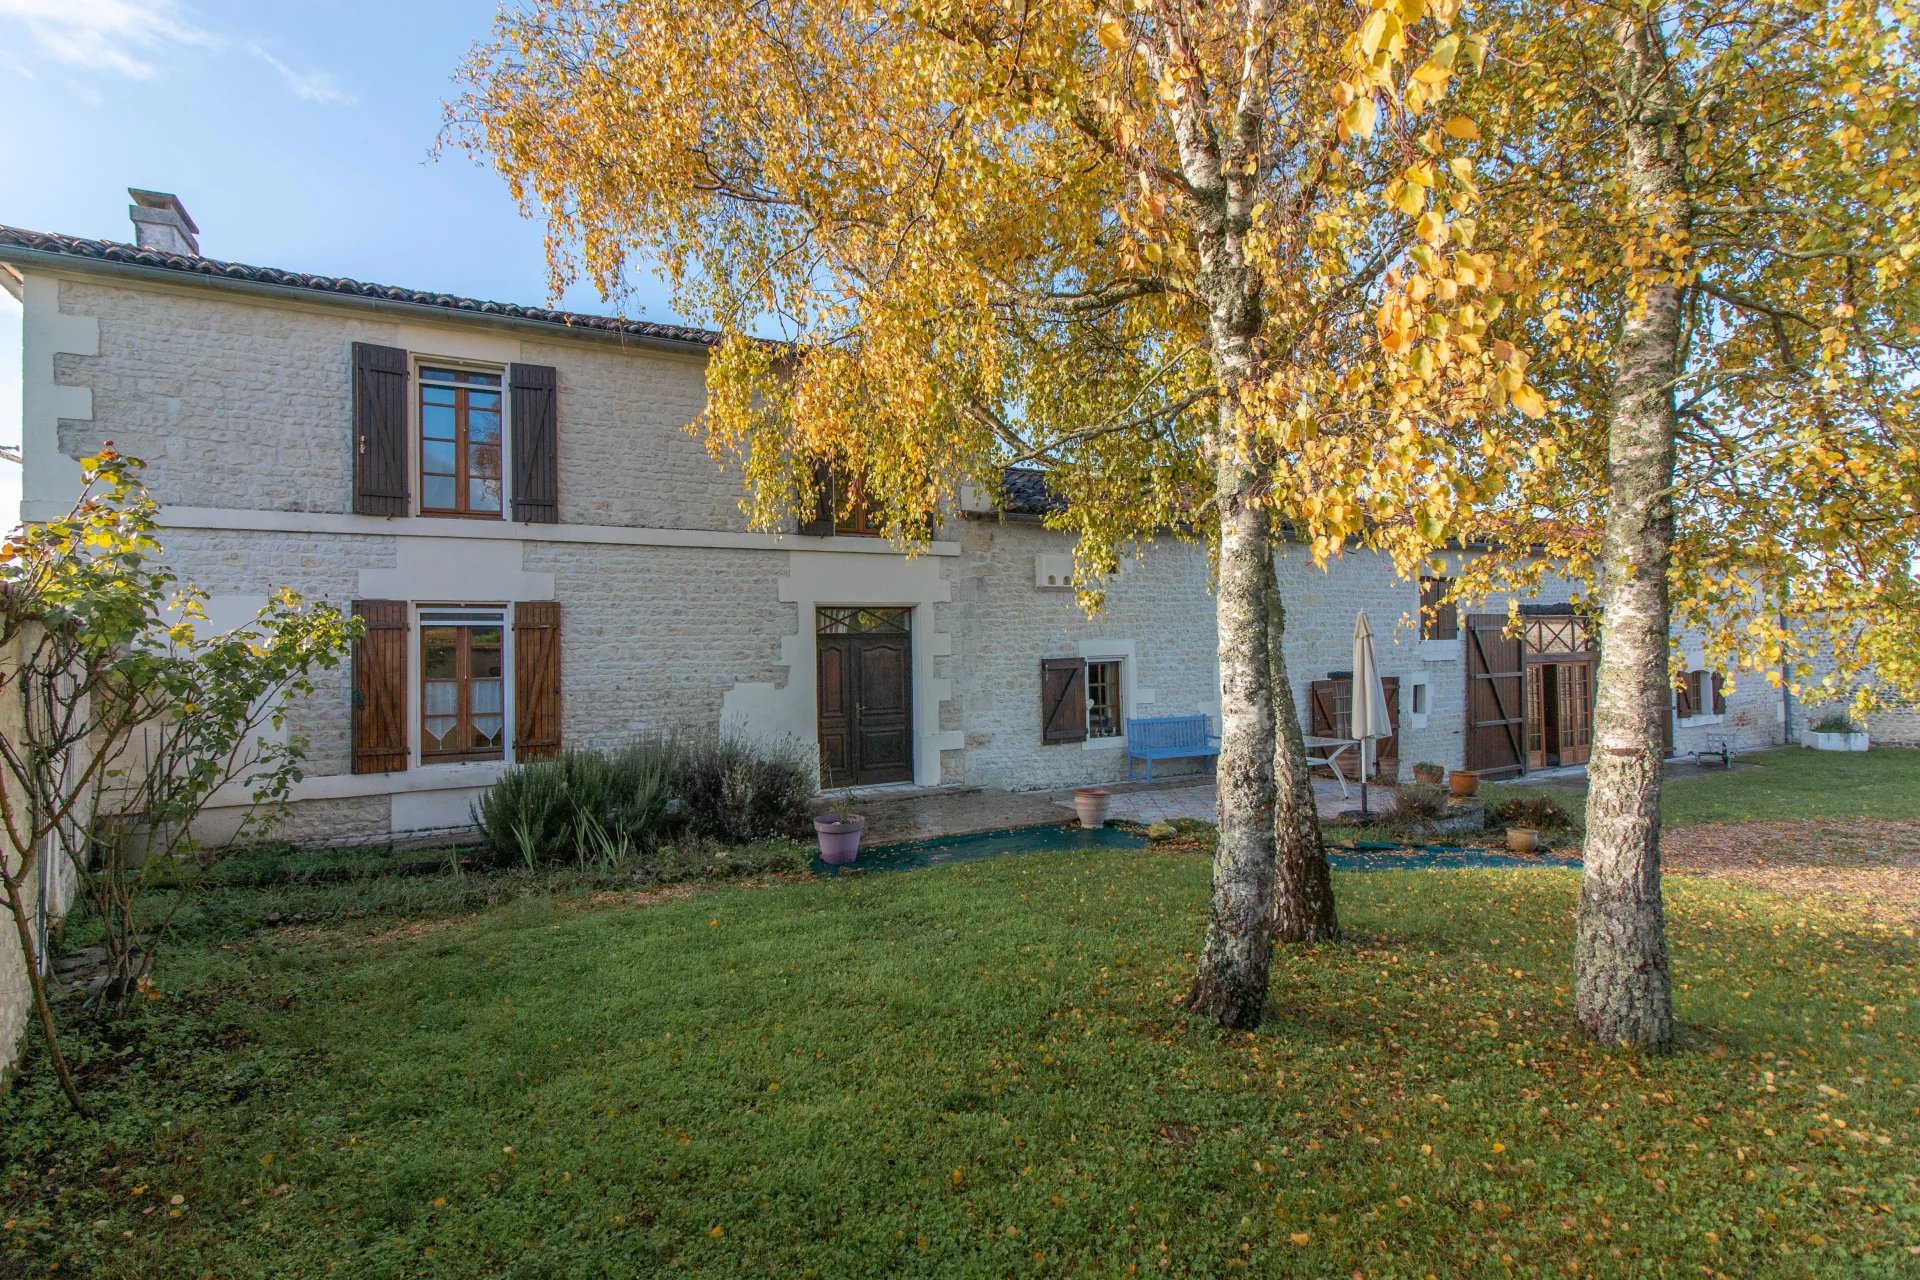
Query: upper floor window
{"points": [[859, 521], [463, 686], [1439, 616], [459, 442]]}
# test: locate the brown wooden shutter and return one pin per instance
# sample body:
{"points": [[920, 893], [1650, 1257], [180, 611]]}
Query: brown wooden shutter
{"points": [[1439, 617], [1687, 697], [1388, 748], [821, 523], [1063, 700], [1496, 696], [1321, 714], [380, 687], [536, 442], [379, 430], [1719, 694], [536, 680]]}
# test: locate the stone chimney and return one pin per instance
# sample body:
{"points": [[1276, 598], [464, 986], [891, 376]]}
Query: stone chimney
{"points": [[160, 222]]}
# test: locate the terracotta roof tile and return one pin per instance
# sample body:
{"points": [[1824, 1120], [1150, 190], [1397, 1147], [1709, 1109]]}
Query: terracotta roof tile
{"points": [[109, 251]]}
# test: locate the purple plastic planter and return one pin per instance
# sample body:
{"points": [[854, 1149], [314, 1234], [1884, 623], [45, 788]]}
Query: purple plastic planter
{"points": [[839, 839]]}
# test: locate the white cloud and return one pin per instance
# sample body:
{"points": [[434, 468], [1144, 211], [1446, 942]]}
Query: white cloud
{"points": [[135, 38]]}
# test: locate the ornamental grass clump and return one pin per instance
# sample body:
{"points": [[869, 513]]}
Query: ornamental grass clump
{"points": [[624, 807]]}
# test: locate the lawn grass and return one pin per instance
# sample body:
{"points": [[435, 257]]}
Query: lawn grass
{"points": [[1784, 784], [979, 1070], [1795, 783]]}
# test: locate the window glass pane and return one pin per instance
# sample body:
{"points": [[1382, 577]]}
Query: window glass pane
{"points": [[436, 395], [439, 493], [437, 646], [436, 421], [436, 457], [485, 658], [483, 495], [489, 711], [483, 422], [1103, 699], [485, 460]]}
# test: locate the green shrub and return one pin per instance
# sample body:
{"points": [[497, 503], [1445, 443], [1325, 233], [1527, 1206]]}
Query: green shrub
{"points": [[1415, 809], [1835, 722], [1537, 812], [621, 808], [734, 791]]}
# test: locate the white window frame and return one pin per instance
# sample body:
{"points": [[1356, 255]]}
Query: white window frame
{"points": [[415, 426], [1134, 697], [458, 614], [1119, 691]]}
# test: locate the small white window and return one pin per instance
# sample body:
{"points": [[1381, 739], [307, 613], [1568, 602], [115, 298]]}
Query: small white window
{"points": [[1420, 698], [1103, 700]]}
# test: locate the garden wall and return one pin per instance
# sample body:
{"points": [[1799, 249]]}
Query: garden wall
{"points": [[16, 996]]}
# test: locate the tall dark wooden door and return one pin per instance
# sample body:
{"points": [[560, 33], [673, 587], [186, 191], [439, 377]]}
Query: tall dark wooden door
{"points": [[866, 696], [1496, 692]]}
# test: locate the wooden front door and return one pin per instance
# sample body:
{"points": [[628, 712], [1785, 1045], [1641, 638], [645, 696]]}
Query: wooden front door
{"points": [[1496, 680], [865, 684]]}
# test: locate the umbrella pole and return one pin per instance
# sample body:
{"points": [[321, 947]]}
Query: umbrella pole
{"points": [[1364, 817]]}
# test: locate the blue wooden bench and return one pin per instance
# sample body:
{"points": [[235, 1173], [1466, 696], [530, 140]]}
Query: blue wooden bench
{"points": [[1169, 738]]}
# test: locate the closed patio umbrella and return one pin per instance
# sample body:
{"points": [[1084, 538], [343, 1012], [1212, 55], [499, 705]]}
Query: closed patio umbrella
{"points": [[1369, 701]]}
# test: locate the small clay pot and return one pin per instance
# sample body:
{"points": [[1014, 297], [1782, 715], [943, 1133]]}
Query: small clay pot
{"points": [[1463, 782], [1523, 840], [1430, 774]]}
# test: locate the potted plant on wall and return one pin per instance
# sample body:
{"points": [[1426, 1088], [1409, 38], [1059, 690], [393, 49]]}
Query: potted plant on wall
{"points": [[1834, 732], [1463, 782], [839, 829], [1429, 773]]}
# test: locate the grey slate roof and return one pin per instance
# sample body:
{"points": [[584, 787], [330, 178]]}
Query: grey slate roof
{"points": [[1024, 491], [112, 252]]}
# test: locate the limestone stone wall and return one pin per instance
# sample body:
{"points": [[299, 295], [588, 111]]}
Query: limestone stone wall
{"points": [[246, 403]]}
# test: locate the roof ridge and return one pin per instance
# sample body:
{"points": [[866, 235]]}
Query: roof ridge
{"points": [[117, 252]]}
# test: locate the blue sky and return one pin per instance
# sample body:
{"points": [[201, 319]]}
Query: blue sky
{"points": [[297, 134]]}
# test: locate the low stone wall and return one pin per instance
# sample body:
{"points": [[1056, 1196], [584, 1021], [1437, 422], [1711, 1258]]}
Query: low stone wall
{"points": [[1897, 727]]}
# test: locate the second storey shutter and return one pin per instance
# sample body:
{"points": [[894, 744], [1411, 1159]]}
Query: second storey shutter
{"points": [[1063, 700], [536, 680], [379, 430], [536, 442], [379, 718]]}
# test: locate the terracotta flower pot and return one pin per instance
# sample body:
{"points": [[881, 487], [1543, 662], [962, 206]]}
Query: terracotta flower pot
{"points": [[1463, 782], [839, 838], [1523, 840], [1431, 774], [1092, 803]]}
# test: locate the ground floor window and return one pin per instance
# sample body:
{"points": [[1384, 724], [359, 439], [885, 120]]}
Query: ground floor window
{"points": [[463, 686], [1103, 700]]}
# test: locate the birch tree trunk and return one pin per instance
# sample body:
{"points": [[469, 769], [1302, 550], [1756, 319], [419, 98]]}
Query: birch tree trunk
{"points": [[1303, 909], [1622, 986]]}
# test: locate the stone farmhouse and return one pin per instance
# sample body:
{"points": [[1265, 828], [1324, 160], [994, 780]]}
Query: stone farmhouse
{"points": [[545, 557]]}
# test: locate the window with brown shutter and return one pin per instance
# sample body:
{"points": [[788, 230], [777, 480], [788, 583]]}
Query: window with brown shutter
{"points": [[1719, 694], [1686, 697], [463, 685], [1439, 616], [820, 523], [379, 430], [536, 442], [1063, 700], [536, 679], [459, 442], [379, 720]]}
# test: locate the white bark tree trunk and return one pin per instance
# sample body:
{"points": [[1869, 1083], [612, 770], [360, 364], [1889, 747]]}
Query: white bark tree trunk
{"points": [[1622, 986]]}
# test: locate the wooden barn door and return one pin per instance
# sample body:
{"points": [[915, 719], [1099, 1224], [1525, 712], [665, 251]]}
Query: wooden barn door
{"points": [[1496, 693]]}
